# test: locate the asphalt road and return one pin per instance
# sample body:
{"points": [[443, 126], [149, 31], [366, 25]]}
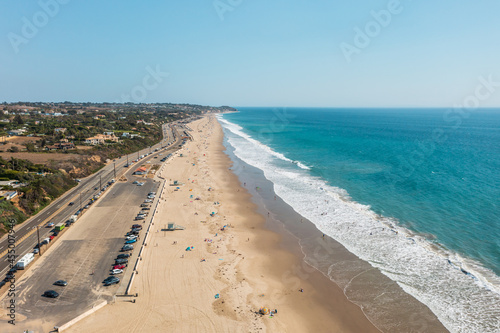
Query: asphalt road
{"points": [[59, 211]]}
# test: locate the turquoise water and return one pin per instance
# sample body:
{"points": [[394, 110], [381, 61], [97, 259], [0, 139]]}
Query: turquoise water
{"points": [[432, 175]]}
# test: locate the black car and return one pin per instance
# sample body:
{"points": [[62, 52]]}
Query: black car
{"points": [[96, 188], [111, 280], [121, 261], [146, 208], [123, 255], [61, 283], [55, 233], [71, 204], [51, 294]]}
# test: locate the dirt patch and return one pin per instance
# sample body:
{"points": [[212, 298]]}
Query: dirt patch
{"points": [[22, 139], [39, 158]]}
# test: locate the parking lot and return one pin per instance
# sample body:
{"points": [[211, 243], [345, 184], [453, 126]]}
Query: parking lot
{"points": [[83, 257]]}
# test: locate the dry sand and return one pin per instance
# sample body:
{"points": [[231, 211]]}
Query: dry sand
{"points": [[244, 264]]}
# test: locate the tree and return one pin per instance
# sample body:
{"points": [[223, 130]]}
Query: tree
{"points": [[18, 119]]}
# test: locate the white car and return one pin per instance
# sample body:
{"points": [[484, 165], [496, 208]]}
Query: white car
{"points": [[131, 237], [116, 271], [151, 196], [140, 184], [148, 200]]}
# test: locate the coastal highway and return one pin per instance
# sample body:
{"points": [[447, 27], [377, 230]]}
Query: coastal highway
{"points": [[60, 211]]}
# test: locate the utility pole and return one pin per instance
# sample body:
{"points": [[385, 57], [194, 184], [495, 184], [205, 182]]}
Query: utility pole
{"points": [[39, 245]]}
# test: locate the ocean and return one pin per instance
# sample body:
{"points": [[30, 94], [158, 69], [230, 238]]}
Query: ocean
{"points": [[413, 192]]}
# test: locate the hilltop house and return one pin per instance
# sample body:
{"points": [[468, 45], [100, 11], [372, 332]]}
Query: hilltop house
{"points": [[61, 146], [7, 195], [100, 139], [17, 132]]}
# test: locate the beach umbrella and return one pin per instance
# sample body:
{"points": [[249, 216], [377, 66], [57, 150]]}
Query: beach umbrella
{"points": [[264, 311]]}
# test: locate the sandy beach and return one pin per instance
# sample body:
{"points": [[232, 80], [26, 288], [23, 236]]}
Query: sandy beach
{"points": [[234, 267]]}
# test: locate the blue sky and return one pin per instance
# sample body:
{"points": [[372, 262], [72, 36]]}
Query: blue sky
{"points": [[250, 53]]}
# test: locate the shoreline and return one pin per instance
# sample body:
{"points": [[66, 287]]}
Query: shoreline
{"points": [[243, 263], [382, 300]]}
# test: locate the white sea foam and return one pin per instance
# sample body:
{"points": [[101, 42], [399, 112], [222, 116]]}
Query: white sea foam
{"points": [[464, 295]]}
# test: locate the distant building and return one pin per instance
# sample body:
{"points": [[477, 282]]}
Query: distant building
{"points": [[17, 132], [7, 195], [60, 130], [4, 121], [100, 139], [11, 183], [125, 134], [61, 146]]}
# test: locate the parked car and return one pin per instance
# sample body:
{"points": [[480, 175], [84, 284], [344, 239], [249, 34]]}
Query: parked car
{"points": [[139, 217], [121, 261], [119, 266], [135, 182], [96, 188], [148, 201], [146, 208], [51, 237], [50, 224], [55, 233], [131, 237], [116, 271], [51, 294], [152, 193], [61, 283], [128, 247], [135, 232], [130, 241], [137, 226], [111, 280], [123, 255], [151, 196], [144, 205]]}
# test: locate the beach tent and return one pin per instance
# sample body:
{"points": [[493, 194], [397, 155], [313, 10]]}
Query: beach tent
{"points": [[264, 311]]}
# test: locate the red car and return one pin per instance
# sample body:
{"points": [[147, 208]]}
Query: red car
{"points": [[52, 237], [119, 267]]}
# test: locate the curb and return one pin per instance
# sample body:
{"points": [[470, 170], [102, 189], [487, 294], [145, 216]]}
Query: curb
{"points": [[80, 317]]}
